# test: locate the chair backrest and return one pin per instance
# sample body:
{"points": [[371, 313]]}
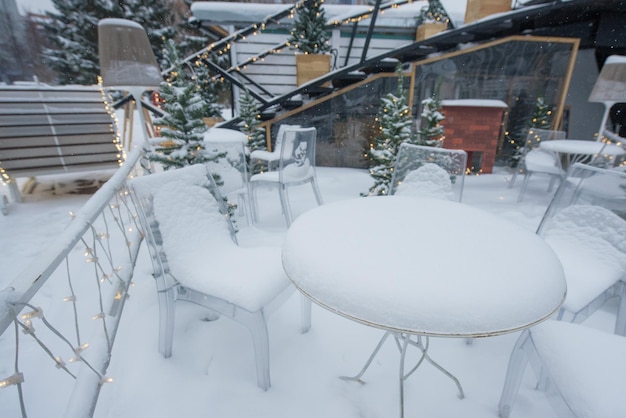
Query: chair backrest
{"points": [[589, 207], [179, 202], [429, 171], [588, 185], [297, 156], [232, 168], [280, 135]]}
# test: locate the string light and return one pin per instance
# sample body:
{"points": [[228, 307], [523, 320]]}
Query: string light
{"points": [[15, 379]]}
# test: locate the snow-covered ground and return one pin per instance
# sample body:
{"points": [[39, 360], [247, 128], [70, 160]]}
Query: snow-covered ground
{"points": [[211, 372]]}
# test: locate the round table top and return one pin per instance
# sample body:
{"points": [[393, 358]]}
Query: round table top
{"points": [[580, 146], [423, 266]]}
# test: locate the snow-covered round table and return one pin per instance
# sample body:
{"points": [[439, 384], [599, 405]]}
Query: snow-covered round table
{"points": [[419, 267], [579, 150]]}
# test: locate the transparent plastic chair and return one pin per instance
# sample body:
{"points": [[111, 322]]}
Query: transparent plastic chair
{"points": [[269, 158], [584, 369], [536, 160], [296, 166], [585, 224], [195, 258], [429, 171]]}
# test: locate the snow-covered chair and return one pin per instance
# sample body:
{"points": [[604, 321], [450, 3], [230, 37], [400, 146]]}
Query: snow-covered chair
{"points": [[584, 367], [585, 226], [429, 171], [536, 160], [269, 158], [296, 166], [195, 258], [232, 169]]}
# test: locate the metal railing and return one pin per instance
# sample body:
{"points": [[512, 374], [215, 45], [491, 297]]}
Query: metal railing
{"points": [[59, 317]]}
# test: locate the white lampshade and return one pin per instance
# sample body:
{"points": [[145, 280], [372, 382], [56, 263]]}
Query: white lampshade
{"points": [[610, 87], [126, 58], [611, 83]]}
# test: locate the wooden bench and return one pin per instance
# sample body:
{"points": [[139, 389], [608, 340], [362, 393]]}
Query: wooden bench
{"points": [[49, 130]]}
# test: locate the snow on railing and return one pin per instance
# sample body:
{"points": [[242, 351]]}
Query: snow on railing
{"points": [[66, 306]]}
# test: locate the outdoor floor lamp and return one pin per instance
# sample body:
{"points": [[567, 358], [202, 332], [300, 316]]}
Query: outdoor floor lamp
{"points": [[127, 61], [610, 87]]}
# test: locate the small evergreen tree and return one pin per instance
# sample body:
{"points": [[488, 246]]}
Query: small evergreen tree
{"points": [[158, 18], [249, 124], [541, 117], [73, 32], [208, 90], [431, 130], [395, 122], [183, 127], [434, 12], [309, 30]]}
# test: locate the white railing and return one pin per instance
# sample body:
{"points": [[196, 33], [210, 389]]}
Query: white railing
{"points": [[59, 317]]}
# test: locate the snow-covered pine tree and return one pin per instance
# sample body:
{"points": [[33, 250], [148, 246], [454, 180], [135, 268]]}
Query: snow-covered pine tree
{"points": [[73, 33], [394, 118], [250, 125], [182, 125], [308, 34], [434, 12], [541, 117], [431, 130], [542, 114], [207, 88], [158, 17]]}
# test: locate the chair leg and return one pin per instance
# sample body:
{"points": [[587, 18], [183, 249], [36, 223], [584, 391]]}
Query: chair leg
{"points": [[284, 202], [254, 204], [515, 174], [514, 374], [167, 308], [260, 341], [305, 314], [522, 191], [620, 321], [316, 192]]}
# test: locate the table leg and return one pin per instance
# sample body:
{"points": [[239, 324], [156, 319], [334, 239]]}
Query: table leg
{"points": [[357, 378], [403, 341], [406, 342]]}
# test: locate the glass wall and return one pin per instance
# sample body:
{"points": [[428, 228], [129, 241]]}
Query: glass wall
{"points": [[515, 70]]}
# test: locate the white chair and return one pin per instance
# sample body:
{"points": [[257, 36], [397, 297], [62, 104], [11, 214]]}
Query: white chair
{"points": [[195, 258], [269, 158], [296, 166], [585, 370], [232, 170], [536, 160], [429, 171], [585, 226]]}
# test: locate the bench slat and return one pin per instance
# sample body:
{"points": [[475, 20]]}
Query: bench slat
{"points": [[62, 140], [48, 129], [19, 153]]}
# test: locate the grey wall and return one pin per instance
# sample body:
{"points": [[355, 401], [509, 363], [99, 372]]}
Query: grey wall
{"points": [[585, 117]]}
